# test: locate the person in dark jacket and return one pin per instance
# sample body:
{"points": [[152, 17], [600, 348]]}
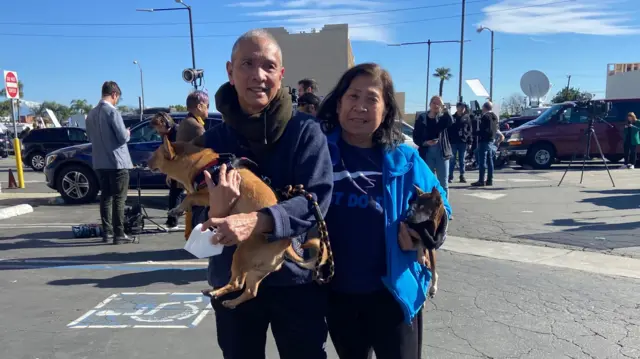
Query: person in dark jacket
{"points": [[488, 128], [289, 150], [431, 137], [165, 126], [460, 136]]}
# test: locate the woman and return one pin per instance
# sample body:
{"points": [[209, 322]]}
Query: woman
{"points": [[631, 140], [430, 135], [376, 296]]}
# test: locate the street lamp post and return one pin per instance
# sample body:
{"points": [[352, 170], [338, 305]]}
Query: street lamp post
{"points": [[135, 62], [461, 51], [428, 42], [188, 8], [480, 29]]}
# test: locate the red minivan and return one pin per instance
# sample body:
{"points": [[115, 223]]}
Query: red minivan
{"points": [[559, 132]]}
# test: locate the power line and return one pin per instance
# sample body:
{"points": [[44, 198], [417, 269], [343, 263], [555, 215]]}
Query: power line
{"points": [[239, 21], [230, 35]]}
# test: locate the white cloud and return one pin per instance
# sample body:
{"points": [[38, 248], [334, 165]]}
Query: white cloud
{"points": [[539, 17], [251, 3], [332, 3]]}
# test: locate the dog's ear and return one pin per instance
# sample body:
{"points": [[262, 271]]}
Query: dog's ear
{"points": [[169, 152], [419, 190], [435, 192]]}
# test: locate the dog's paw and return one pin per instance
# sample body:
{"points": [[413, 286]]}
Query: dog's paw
{"points": [[229, 304], [176, 212], [432, 291], [208, 293]]}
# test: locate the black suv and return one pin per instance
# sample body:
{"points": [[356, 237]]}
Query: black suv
{"points": [[38, 143]]}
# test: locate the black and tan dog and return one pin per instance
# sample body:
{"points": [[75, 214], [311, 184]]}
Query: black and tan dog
{"points": [[254, 258], [428, 217]]}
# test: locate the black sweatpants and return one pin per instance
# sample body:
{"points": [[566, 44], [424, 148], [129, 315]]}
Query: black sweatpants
{"points": [[175, 194], [362, 323], [114, 185], [630, 154], [296, 315]]}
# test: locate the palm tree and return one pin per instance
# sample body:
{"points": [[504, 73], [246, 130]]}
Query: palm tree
{"points": [[444, 74], [80, 106]]}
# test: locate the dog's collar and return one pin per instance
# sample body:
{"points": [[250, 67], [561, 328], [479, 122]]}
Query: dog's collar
{"points": [[213, 168]]}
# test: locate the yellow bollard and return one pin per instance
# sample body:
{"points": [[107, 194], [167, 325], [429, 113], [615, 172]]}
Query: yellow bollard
{"points": [[17, 151]]}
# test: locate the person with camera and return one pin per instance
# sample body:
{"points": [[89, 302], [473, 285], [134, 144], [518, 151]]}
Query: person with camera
{"points": [[111, 160], [631, 140], [487, 131], [431, 137], [460, 136]]}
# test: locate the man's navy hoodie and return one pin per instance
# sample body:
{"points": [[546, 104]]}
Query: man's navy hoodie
{"points": [[299, 156]]}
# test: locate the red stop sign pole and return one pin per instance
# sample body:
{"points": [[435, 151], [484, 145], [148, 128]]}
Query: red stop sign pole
{"points": [[12, 90], [11, 85]]}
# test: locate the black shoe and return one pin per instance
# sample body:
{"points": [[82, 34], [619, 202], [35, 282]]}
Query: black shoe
{"points": [[122, 240], [478, 184], [462, 179], [489, 183], [171, 223], [450, 180], [105, 239]]}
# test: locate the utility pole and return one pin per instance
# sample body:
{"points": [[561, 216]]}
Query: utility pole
{"points": [[428, 42], [568, 83], [461, 51]]}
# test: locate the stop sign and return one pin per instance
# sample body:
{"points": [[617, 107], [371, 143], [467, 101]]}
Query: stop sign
{"points": [[11, 84]]}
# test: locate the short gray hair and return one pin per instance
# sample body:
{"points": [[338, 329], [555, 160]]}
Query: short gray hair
{"points": [[253, 34]]}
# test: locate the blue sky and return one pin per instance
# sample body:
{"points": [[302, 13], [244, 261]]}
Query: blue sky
{"points": [[63, 50]]}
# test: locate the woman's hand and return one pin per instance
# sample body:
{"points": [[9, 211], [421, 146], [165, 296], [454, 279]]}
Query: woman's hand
{"points": [[236, 228], [407, 237], [431, 142], [223, 196]]}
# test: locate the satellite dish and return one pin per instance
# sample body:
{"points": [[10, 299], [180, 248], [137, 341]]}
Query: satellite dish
{"points": [[535, 84]]}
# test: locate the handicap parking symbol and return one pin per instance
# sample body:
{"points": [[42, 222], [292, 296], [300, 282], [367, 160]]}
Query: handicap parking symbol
{"points": [[146, 310]]}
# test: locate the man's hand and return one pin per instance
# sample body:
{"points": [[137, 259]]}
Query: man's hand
{"points": [[223, 196], [234, 229]]}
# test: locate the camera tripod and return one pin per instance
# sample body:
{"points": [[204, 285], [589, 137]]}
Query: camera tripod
{"points": [[139, 209], [588, 135]]}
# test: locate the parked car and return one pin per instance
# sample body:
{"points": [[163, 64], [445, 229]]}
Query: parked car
{"points": [[4, 145], [514, 122], [69, 170], [559, 133], [407, 132], [38, 143]]}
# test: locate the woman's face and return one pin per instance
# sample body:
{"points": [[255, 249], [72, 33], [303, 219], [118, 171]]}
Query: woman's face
{"points": [[160, 129], [629, 119], [361, 109], [435, 105]]}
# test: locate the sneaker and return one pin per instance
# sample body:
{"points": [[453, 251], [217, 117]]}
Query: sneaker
{"points": [[462, 179], [122, 240], [478, 184], [171, 224], [450, 180], [631, 167], [489, 183]]}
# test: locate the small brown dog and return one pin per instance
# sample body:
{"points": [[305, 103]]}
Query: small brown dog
{"points": [[425, 216], [255, 258]]}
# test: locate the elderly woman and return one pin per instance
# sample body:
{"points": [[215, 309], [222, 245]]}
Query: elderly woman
{"points": [[431, 136], [377, 294]]}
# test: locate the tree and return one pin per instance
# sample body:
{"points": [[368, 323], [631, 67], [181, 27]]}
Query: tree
{"points": [[80, 106], [179, 108], [514, 104], [444, 74], [3, 92], [571, 94], [61, 111], [126, 109], [5, 108]]}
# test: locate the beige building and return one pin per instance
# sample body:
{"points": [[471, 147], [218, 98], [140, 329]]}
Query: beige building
{"points": [[323, 55], [623, 81]]}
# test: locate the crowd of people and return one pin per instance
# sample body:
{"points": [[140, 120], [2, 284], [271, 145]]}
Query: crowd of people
{"points": [[348, 151]]}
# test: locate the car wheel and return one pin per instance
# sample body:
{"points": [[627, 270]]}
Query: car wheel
{"points": [[77, 184], [36, 161], [541, 156]]}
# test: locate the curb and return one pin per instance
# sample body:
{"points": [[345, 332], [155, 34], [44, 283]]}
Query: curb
{"points": [[13, 211]]}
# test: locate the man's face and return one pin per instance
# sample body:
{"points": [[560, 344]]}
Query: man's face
{"points": [[301, 89], [202, 109], [460, 110], [256, 72]]}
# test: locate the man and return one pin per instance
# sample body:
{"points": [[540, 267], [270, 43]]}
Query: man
{"points": [[487, 131], [192, 127], [289, 150], [459, 137], [165, 126], [307, 85], [308, 103], [111, 160]]}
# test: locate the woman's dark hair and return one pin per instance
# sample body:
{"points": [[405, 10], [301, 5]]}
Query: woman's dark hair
{"points": [[162, 119], [388, 135]]}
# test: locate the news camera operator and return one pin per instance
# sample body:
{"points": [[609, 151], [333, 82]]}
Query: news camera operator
{"points": [[487, 131], [460, 136]]}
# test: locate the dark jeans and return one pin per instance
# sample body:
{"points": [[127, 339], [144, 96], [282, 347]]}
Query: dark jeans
{"points": [[296, 315], [175, 197], [630, 154], [485, 161], [114, 185], [459, 149], [360, 323]]}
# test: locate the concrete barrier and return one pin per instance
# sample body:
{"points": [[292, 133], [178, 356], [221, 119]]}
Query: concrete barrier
{"points": [[13, 211]]}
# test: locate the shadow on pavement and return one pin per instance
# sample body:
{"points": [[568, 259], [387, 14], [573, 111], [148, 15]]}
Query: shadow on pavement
{"points": [[616, 199], [140, 279]]}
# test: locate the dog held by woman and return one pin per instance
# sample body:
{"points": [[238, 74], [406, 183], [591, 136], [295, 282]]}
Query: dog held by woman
{"points": [[256, 257]]}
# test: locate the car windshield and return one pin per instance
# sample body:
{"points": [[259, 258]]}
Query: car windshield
{"points": [[547, 115]]}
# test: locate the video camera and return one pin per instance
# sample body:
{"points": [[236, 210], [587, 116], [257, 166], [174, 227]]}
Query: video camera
{"points": [[595, 108], [475, 108]]}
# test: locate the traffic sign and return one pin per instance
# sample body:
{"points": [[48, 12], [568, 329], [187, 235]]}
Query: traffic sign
{"points": [[11, 84]]}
